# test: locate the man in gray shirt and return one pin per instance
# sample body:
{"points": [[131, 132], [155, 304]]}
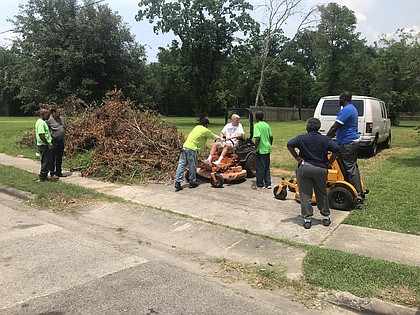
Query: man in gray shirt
{"points": [[57, 126]]}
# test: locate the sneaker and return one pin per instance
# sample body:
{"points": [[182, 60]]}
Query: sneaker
{"points": [[216, 162], [178, 186], [41, 180], [326, 221], [61, 175], [55, 177], [268, 187], [307, 224], [257, 187], [193, 185], [206, 161]]}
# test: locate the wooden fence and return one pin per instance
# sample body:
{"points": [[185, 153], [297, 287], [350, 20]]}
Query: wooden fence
{"points": [[283, 113]]}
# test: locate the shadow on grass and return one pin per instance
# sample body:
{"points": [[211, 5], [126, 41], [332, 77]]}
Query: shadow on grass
{"points": [[405, 161]]}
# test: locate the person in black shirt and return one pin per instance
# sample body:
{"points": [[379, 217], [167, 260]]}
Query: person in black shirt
{"points": [[312, 171]]}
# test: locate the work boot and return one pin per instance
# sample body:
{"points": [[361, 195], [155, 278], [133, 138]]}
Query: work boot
{"points": [[178, 186], [193, 185]]}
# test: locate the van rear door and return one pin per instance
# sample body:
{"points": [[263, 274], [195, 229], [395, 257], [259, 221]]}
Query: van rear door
{"points": [[330, 109]]}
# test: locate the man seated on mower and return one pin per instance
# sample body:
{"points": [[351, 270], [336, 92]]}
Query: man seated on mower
{"points": [[231, 133]]}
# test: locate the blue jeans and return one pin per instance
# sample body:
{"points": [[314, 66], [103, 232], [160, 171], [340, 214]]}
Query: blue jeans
{"points": [[187, 157]]}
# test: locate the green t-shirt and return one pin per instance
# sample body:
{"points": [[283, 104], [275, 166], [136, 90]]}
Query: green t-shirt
{"points": [[263, 131], [197, 138], [42, 127]]}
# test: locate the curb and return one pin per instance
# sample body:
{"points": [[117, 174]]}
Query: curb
{"points": [[368, 305], [24, 195]]}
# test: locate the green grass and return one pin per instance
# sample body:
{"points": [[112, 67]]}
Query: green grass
{"points": [[12, 130], [362, 276], [54, 195]]}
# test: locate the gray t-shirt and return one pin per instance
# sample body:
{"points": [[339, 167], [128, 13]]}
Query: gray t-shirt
{"points": [[57, 127]]}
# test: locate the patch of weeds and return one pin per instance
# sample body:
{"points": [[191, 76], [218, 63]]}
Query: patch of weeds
{"points": [[271, 278]]}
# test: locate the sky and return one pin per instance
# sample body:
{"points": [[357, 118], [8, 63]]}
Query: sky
{"points": [[374, 17]]}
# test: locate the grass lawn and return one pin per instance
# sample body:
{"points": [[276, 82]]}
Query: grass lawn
{"points": [[54, 195]]}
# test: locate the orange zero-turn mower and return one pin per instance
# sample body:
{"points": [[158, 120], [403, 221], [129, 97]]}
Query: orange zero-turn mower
{"points": [[238, 163], [341, 194], [228, 170]]}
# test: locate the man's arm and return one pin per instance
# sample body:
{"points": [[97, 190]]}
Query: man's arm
{"points": [[271, 140], [42, 137], [331, 133], [257, 142], [294, 153]]}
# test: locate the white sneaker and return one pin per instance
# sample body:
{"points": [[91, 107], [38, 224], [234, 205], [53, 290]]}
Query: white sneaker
{"points": [[206, 161], [216, 162]]}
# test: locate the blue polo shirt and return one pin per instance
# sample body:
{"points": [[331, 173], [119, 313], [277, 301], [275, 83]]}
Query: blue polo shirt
{"points": [[314, 147], [347, 118]]}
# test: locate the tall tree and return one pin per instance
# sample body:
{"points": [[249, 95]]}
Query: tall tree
{"points": [[338, 50], [69, 50], [207, 31], [278, 13], [397, 70]]}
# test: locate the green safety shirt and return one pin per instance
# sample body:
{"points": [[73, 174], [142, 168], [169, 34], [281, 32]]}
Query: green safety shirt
{"points": [[263, 131], [42, 127], [197, 138]]}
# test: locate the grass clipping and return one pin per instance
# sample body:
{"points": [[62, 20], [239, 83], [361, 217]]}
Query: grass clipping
{"points": [[125, 142]]}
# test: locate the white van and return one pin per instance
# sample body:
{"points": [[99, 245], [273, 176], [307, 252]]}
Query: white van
{"points": [[374, 124]]}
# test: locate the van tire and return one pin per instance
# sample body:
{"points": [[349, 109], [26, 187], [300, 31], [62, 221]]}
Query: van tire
{"points": [[373, 149], [388, 141]]}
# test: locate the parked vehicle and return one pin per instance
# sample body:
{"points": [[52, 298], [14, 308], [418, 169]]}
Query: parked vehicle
{"points": [[374, 122]]}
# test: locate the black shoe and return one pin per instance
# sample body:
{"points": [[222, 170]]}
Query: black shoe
{"points": [[307, 224], [326, 221], [193, 185], [178, 186]]}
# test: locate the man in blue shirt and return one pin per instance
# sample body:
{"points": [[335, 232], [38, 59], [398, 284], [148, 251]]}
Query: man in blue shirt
{"points": [[312, 171], [345, 128]]}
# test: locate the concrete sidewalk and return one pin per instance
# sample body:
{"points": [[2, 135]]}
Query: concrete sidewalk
{"points": [[239, 207], [257, 211]]}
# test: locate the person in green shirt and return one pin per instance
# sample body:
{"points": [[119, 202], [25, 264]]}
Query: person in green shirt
{"points": [[263, 142], [43, 141], [196, 140]]}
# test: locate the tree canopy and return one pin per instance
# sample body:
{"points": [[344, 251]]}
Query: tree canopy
{"points": [[68, 50]]}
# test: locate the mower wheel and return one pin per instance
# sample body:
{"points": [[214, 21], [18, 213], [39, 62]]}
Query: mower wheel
{"points": [[219, 181], [341, 198], [280, 192], [249, 166]]}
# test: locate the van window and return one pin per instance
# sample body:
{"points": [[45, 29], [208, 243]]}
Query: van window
{"points": [[383, 110], [331, 107]]}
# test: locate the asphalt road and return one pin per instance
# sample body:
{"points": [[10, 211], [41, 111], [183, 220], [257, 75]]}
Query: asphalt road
{"points": [[80, 263]]}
